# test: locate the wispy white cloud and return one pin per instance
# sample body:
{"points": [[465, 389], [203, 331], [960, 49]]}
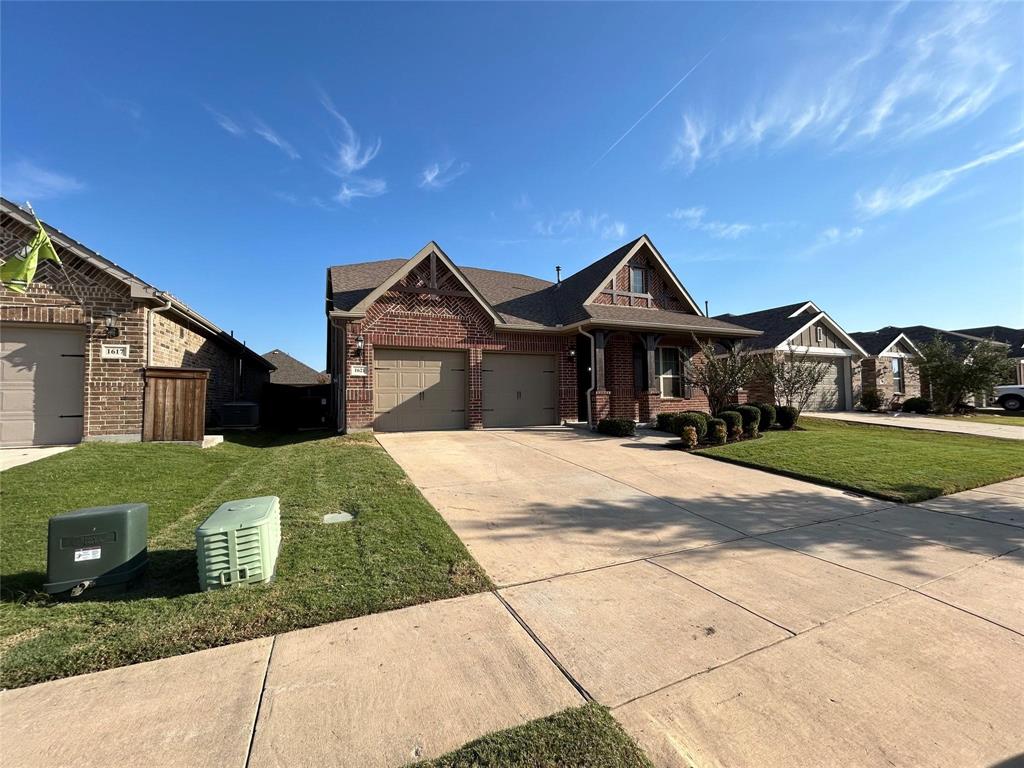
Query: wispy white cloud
{"points": [[901, 197], [24, 180], [130, 108], [906, 75], [271, 136], [355, 186], [226, 122], [830, 237], [695, 218], [523, 202], [350, 158], [574, 223], [440, 175]]}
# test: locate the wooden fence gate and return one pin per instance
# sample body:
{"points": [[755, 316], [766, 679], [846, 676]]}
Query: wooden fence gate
{"points": [[175, 404]]}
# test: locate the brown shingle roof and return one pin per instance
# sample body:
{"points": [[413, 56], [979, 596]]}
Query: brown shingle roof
{"points": [[291, 371], [530, 301], [775, 324]]}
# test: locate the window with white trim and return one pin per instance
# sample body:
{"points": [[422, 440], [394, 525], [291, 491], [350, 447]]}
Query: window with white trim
{"points": [[637, 280], [668, 372], [897, 375]]}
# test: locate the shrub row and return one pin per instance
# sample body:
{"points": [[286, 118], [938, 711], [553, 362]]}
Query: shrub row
{"points": [[617, 427], [917, 405]]}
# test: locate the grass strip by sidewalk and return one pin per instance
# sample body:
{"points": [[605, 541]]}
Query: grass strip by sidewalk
{"points": [[398, 551], [902, 465], [582, 737]]}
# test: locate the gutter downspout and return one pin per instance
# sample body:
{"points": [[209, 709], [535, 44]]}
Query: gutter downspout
{"points": [[593, 353], [149, 328]]}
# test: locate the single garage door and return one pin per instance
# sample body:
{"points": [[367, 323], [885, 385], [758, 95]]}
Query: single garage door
{"points": [[42, 378], [519, 390], [830, 393], [418, 389]]}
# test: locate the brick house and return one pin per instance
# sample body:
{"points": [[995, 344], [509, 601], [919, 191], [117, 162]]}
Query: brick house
{"points": [[813, 335], [66, 378], [421, 343], [889, 367]]}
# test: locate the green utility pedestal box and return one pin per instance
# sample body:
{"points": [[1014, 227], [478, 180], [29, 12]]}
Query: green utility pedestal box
{"points": [[238, 544], [96, 547]]}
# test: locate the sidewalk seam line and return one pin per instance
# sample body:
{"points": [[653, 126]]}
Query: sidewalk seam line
{"points": [[547, 651], [259, 703]]}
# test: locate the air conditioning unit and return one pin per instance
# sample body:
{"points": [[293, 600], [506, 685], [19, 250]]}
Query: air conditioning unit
{"points": [[240, 414], [96, 547], [239, 543]]}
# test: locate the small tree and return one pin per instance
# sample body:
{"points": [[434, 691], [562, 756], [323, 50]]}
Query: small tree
{"points": [[721, 375], [954, 374], [793, 376]]}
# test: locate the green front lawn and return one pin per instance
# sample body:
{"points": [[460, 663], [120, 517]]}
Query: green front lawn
{"points": [[902, 465], [398, 551], [1009, 420], [584, 737]]}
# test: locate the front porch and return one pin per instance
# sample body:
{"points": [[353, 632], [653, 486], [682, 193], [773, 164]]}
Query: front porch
{"points": [[627, 374]]}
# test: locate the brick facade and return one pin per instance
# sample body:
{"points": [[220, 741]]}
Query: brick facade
{"points": [[113, 391], [404, 320]]}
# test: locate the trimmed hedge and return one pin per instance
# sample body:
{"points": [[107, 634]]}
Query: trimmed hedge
{"points": [[767, 411], [787, 416], [717, 431], [664, 421], [699, 422], [617, 427], [732, 419], [750, 414], [917, 405], [871, 399]]}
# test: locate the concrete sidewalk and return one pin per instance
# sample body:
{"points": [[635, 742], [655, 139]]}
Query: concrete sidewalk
{"points": [[930, 423], [15, 457], [380, 690]]}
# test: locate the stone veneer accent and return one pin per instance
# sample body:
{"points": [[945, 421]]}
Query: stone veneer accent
{"points": [[876, 373]]}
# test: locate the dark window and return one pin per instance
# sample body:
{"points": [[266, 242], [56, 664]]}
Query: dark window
{"points": [[637, 280], [897, 374]]}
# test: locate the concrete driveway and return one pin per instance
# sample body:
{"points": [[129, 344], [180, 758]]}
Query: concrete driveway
{"points": [[733, 617]]}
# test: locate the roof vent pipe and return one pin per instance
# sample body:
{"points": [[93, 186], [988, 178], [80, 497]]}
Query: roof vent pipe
{"points": [[706, 312], [558, 275]]}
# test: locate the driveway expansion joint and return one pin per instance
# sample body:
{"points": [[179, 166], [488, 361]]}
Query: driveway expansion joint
{"points": [[259, 702], [547, 651]]}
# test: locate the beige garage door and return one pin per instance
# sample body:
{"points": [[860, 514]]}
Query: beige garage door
{"points": [[831, 392], [519, 390], [41, 385], [418, 389]]}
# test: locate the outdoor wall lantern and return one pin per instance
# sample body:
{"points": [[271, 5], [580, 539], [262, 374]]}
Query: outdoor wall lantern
{"points": [[359, 345], [572, 354], [110, 317]]}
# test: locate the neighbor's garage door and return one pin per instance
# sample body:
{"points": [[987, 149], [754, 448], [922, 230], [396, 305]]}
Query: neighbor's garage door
{"points": [[831, 392], [418, 389], [41, 385], [519, 390]]}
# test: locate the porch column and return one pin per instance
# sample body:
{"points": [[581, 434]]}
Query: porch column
{"points": [[600, 401], [649, 400]]}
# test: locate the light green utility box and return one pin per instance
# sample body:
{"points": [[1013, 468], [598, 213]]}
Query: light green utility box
{"points": [[238, 544]]}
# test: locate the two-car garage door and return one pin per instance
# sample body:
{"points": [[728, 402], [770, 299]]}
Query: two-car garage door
{"points": [[428, 389], [41, 385]]}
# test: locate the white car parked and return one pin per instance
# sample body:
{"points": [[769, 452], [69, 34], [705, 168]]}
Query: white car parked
{"points": [[1010, 397]]}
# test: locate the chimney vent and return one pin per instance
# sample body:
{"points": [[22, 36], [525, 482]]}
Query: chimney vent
{"points": [[558, 275]]}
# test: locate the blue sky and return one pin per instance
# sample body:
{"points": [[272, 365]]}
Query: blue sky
{"points": [[867, 156]]}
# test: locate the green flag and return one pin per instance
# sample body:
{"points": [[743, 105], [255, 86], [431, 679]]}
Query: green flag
{"points": [[19, 270]]}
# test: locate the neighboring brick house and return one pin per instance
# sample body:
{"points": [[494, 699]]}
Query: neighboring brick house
{"points": [[810, 333], [424, 344], [919, 335], [292, 372], [889, 367], [66, 379], [1012, 337]]}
